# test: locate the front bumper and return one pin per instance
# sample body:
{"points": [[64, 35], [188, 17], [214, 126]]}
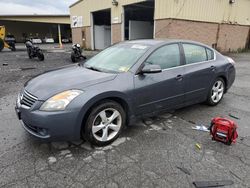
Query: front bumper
{"points": [[49, 126]]}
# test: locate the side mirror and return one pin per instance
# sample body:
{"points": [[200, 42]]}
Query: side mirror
{"points": [[150, 69]]}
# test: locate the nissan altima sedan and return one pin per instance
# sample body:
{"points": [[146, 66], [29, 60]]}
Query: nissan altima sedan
{"points": [[127, 81]]}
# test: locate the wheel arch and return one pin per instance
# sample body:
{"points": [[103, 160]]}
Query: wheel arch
{"points": [[225, 81], [118, 97]]}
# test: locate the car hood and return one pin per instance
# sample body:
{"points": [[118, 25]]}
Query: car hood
{"points": [[50, 83]]}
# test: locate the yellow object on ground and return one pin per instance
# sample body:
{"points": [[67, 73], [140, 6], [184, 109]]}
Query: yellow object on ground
{"points": [[198, 146]]}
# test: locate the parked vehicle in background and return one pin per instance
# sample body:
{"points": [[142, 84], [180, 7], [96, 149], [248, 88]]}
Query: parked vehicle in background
{"points": [[34, 51], [48, 40], [10, 38], [65, 40], [36, 40], [127, 81], [76, 54]]}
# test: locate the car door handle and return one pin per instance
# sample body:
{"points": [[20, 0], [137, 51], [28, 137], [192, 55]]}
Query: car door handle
{"points": [[179, 78], [213, 68]]}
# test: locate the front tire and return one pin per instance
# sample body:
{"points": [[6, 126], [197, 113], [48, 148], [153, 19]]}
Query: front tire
{"points": [[216, 92], [104, 123], [73, 57]]}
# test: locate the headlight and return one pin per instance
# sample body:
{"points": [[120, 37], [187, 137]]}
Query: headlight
{"points": [[60, 101]]}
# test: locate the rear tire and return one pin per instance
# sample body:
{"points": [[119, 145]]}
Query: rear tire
{"points": [[13, 47], [104, 123], [1, 45], [216, 92], [40, 56]]}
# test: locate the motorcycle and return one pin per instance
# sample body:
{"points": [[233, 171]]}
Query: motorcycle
{"points": [[34, 51], [76, 54]]}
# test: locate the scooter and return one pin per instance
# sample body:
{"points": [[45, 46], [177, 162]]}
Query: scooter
{"points": [[34, 51], [76, 54]]}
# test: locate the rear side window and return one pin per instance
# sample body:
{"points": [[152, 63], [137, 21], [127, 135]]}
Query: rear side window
{"points": [[194, 53], [210, 54], [167, 56]]}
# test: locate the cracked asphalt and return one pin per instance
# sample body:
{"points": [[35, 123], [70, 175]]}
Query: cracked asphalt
{"points": [[156, 152]]}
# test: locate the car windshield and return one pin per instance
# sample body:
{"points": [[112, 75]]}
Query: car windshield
{"points": [[117, 59]]}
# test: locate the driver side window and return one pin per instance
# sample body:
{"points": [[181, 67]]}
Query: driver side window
{"points": [[167, 56]]}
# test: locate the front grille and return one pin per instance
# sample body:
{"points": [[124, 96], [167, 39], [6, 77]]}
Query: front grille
{"points": [[27, 99]]}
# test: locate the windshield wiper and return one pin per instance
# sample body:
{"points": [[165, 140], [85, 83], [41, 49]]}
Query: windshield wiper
{"points": [[93, 68]]}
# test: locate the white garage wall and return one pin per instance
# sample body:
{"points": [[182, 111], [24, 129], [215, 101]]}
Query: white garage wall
{"points": [[102, 36], [140, 30]]}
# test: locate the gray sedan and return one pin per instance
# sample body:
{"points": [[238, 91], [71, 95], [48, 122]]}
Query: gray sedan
{"points": [[127, 81]]}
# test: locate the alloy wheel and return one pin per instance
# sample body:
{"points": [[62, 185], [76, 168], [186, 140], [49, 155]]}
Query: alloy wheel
{"points": [[107, 124], [217, 91]]}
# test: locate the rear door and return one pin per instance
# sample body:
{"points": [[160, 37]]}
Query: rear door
{"points": [[164, 90], [200, 71]]}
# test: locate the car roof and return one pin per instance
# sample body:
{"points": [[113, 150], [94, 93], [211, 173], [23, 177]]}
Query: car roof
{"points": [[154, 42]]}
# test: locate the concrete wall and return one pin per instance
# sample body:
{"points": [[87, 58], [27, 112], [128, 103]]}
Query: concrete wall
{"points": [[232, 37], [217, 11], [116, 30], [190, 30], [224, 36], [82, 36], [77, 36]]}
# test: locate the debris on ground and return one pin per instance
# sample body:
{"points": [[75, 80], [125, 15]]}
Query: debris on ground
{"points": [[52, 160], [198, 146], [201, 128], [233, 116], [221, 183], [184, 170], [27, 68], [192, 122]]}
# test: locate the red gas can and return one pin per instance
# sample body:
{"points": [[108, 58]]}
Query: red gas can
{"points": [[223, 130]]}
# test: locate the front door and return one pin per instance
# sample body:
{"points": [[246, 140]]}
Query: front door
{"points": [[164, 90]]}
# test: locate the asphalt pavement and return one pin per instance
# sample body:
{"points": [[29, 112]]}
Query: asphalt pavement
{"points": [[156, 152]]}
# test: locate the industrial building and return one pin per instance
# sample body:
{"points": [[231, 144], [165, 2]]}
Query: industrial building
{"points": [[223, 24], [41, 26]]}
